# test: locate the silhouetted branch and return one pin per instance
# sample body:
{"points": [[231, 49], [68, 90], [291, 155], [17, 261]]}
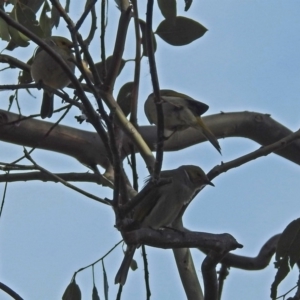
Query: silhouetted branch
{"points": [[10, 292]]}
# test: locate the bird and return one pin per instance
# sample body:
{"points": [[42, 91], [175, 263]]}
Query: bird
{"points": [[161, 206], [46, 69], [180, 112]]}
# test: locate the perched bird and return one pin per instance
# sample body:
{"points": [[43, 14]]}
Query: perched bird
{"points": [[162, 204], [44, 68], [180, 112]]}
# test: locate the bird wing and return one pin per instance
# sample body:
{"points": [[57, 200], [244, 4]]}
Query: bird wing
{"points": [[175, 98], [144, 208], [197, 107]]}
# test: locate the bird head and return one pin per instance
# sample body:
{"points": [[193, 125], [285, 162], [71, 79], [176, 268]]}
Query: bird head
{"points": [[62, 42], [196, 175]]}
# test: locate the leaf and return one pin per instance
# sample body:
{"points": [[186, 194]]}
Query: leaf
{"points": [[168, 9], [182, 33], [45, 21], [105, 282], [124, 98], [4, 33], [100, 66], [55, 17], [143, 39], [95, 295], [188, 4], [26, 17], [72, 292], [35, 5], [289, 243], [16, 39]]}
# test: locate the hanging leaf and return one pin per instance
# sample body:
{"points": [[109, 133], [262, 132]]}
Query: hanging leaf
{"points": [[72, 292], [26, 17], [95, 295], [143, 39], [100, 66], [188, 4], [17, 39], [105, 282], [4, 33], [124, 98], [55, 17], [168, 9], [45, 21], [182, 33]]}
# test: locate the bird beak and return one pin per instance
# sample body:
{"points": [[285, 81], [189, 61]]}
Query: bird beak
{"points": [[209, 183]]}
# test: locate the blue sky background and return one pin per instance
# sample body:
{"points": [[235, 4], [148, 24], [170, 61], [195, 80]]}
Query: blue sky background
{"points": [[248, 60]]}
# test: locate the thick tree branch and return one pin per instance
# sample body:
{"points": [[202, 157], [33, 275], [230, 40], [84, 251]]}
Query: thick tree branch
{"points": [[188, 274], [170, 238], [88, 148], [210, 274], [85, 146], [252, 263]]}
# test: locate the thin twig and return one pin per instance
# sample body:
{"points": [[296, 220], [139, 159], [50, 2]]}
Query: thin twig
{"points": [[67, 184], [146, 272], [262, 151]]}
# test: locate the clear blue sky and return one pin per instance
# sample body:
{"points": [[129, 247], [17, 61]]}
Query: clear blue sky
{"points": [[248, 60]]}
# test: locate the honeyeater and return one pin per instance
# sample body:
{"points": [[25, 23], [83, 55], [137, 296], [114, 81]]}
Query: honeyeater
{"points": [[46, 69], [180, 112], [162, 204]]}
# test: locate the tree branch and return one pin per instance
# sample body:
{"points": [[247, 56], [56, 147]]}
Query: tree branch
{"points": [[10, 292], [170, 238], [88, 148]]}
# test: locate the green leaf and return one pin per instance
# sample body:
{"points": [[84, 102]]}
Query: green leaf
{"points": [[4, 33], [100, 66], [17, 40], [143, 39], [188, 4], [182, 33], [72, 292], [45, 21], [124, 98], [168, 9], [26, 17], [55, 17]]}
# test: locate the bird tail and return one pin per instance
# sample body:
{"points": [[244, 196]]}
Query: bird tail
{"points": [[125, 265], [47, 105], [208, 134]]}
